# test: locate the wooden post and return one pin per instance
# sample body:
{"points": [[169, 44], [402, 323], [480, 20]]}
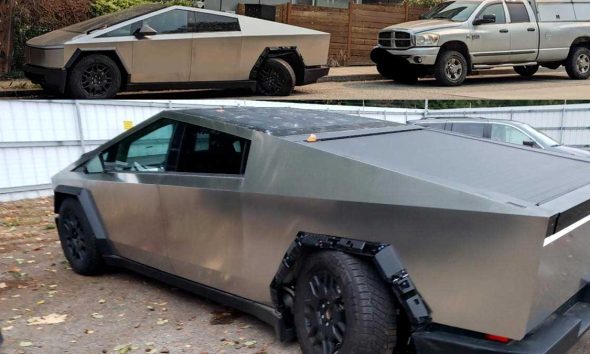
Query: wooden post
{"points": [[288, 12], [406, 11], [349, 38]]}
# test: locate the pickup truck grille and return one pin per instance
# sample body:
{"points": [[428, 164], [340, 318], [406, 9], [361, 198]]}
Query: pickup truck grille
{"points": [[395, 39]]}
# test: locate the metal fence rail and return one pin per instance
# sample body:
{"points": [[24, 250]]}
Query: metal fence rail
{"points": [[39, 138]]}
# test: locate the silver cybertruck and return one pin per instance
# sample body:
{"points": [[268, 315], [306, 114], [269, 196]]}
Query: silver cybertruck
{"points": [[351, 234]]}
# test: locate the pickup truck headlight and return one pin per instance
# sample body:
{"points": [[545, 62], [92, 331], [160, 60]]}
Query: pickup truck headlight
{"points": [[426, 39]]}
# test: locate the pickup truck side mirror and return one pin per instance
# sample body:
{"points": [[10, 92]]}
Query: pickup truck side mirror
{"points": [[485, 19], [144, 31]]}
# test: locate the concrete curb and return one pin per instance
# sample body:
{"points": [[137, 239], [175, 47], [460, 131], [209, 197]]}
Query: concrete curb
{"points": [[353, 77], [20, 93], [373, 77]]}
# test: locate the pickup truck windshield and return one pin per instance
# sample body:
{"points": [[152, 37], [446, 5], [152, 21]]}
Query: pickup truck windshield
{"points": [[105, 21], [457, 11]]}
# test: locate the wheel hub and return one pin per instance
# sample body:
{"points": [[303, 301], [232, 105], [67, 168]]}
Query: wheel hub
{"points": [[453, 69], [97, 79], [74, 241], [325, 314], [583, 63]]}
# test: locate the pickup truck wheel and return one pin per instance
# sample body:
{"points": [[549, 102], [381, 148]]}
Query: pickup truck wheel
{"points": [[526, 70], [343, 306], [77, 239], [577, 63], [450, 68], [385, 71], [94, 76], [275, 78]]}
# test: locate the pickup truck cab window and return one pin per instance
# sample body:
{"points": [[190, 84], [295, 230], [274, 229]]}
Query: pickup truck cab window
{"points": [[458, 11], [518, 12], [496, 10]]}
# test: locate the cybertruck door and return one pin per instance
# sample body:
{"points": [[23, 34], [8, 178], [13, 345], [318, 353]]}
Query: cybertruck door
{"points": [[127, 194], [166, 56], [216, 48], [202, 206], [490, 42]]}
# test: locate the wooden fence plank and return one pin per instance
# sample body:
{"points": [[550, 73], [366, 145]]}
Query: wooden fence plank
{"points": [[354, 30]]}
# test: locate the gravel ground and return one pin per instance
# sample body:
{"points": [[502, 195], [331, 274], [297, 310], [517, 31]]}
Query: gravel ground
{"points": [[118, 312]]}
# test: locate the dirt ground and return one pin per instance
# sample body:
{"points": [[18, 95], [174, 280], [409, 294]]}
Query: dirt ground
{"points": [[46, 308], [118, 312]]}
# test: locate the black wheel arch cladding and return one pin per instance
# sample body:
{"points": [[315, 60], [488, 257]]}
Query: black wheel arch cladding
{"points": [[384, 258]]}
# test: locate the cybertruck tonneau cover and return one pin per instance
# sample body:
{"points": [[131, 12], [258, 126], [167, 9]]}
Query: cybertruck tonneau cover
{"points": [[529, 175]]}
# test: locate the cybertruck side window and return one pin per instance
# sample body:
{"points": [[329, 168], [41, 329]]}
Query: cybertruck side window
{"points": [[145, 151], [175, 21], [206, 22], [205, 150]]}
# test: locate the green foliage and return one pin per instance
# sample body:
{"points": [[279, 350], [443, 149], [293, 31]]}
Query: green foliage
{"points": [[423, 3], [102, 7]]}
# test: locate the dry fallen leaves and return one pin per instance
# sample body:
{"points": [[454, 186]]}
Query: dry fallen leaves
{"points": [[52, 318]]}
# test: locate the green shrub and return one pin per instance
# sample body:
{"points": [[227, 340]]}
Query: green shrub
{"points": [[102, 7]]}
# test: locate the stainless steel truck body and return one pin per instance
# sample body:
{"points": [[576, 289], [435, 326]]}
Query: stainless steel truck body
{"points": [[471, 240], [457, 37], [153, 47]]}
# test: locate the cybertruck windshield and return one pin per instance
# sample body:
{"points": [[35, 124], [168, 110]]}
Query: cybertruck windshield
{"points": [[457, 11], [106, 21]]}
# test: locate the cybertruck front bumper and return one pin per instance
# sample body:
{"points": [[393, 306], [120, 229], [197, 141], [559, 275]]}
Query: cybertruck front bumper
{"points": [[554, 336], [53, 79]]}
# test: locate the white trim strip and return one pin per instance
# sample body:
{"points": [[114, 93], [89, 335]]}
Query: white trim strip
{"points": [[566, 231]]}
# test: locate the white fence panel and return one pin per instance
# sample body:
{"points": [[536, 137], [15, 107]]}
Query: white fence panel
{"points": [[39, 138]]}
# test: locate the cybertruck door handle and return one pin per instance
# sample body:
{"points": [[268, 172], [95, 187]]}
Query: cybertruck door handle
{"points": [[503, 31], [530, 29]]}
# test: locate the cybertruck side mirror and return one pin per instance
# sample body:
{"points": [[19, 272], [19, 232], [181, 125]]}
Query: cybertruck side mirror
{"points": [[485, 19], [145, 31]]}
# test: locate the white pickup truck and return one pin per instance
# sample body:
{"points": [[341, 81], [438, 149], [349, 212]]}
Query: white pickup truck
{"points": [[458, 37]]}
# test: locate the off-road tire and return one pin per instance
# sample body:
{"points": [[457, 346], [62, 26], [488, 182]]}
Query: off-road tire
{"points": [[385, 70], [402, 73], [275, 78], [526, 70], [78, 242], [577, 63], [95, 76], [443, 68], [365, 304]]}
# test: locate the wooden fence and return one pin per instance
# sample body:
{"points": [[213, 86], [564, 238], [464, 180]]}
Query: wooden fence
{"points": [[353, 30]]}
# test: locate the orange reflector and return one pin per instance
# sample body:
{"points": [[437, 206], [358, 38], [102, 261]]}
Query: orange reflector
{"points": [[497, 338], [312, 138]]}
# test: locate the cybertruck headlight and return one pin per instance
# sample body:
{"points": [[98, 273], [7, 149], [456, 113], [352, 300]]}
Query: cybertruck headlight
{"points": [[426, 39]]}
